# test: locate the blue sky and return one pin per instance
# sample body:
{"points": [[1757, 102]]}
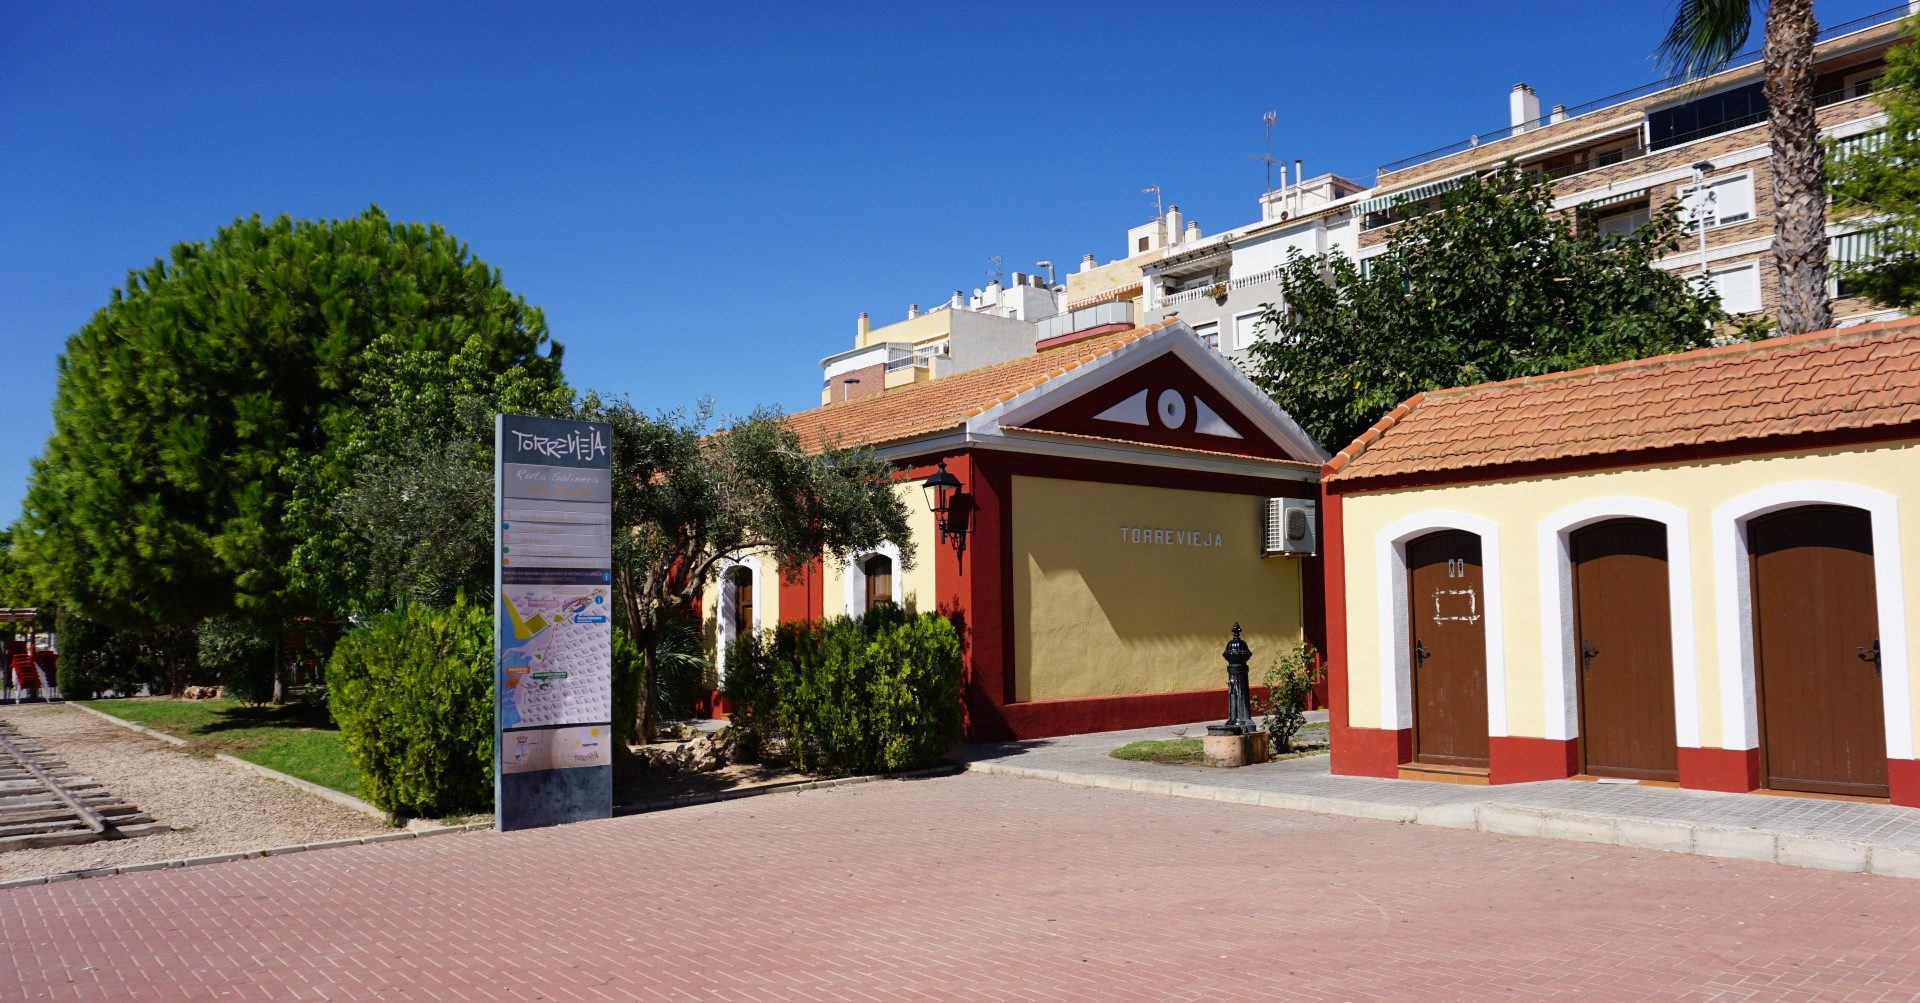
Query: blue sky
{"points": [[702, 197]]}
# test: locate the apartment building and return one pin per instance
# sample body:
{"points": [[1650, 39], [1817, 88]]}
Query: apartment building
{"points": [[1704, 143], [994, 324], [1220, 287]]}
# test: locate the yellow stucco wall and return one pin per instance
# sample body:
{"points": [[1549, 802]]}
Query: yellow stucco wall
{"points": [[1517, 508], [1096, 615], [1108, 277], [916, 583]]}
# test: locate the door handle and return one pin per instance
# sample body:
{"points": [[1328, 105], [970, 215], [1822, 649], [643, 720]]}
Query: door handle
{"points": [[1871, 654], [1420, 650], [1587, 651]]}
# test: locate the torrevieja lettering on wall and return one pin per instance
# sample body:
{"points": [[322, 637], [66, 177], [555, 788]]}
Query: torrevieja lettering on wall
{"points": [[1163, 537]]}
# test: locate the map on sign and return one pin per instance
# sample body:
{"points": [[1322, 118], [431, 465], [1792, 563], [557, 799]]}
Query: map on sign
{"points": [[555, 654]]}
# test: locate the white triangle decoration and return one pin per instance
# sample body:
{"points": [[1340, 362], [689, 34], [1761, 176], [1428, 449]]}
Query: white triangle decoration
{"points": [[1206, 422], [1132, 411]]}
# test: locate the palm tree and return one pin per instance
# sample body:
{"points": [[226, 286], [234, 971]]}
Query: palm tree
{"points": [[1704, 37]]}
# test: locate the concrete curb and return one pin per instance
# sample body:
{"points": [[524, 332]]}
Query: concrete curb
{"points": [[222, 858], [130, 726], [1732, 842], [343, 800]]}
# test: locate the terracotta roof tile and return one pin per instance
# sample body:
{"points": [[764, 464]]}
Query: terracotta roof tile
{"points": [[919, 409], [1846, 379]]}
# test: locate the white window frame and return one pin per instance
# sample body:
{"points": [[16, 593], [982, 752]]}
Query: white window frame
{"points": [[1208, 333], [856, 578], [1759, 297], [1253, 333], [1752, 213]]}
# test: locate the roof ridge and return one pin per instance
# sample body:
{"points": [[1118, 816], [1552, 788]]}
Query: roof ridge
{"points": [[1854, 332]]}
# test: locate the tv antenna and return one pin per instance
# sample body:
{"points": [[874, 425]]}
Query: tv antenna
{"points": [[999, 268], [1267, 158], [1154, 190]]}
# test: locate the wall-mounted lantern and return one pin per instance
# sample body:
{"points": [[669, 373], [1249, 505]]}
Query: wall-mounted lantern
{"points": [[942, 489]]}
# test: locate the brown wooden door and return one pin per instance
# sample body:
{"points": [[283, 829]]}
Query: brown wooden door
{"points": [[1623, 648], [1446, 608], [1815, 629], [742, 601], [879, 573]]}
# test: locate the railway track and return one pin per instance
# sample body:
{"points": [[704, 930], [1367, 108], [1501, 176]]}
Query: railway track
{"points": [[43, 802]]}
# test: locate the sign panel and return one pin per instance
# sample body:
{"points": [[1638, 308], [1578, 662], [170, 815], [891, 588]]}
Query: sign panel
{"points": [[553, 621]]}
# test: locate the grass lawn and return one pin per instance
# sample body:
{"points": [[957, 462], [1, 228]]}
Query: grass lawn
{"points": [[1189, 752], [296, 739]]}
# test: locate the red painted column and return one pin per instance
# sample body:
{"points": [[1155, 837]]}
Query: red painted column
{"points": [[1366, 752], [800, 598], [986, 565]]}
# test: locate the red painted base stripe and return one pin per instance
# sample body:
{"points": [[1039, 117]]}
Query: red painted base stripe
{"points": [[1048, 718], [1903, 782], [1733, 770], [1517, 760], [1372, 752]]}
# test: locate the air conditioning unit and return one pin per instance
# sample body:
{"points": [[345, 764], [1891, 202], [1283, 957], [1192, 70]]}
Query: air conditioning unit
{"points": [[1291, 527]]}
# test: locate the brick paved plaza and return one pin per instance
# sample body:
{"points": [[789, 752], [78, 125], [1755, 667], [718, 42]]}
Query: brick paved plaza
{"points": [[967, 886]]}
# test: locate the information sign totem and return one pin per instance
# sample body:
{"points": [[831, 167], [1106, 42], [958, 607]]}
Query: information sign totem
{"points": [[553, 621]]}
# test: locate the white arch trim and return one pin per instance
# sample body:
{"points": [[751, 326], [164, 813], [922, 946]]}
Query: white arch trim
{"points": [[727, 623], [856, 577], [1559, 649], [1390, 602], [1733, 603]]}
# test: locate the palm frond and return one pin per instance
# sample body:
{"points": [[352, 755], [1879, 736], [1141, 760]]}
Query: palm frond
{"points": [[1705, 35]]}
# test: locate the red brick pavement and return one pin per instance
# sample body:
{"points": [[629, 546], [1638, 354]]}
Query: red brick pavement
{"points": [[968, 886]]}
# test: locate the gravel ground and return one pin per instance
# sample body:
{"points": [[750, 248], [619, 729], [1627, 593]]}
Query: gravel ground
{"points": [[213, 807]]}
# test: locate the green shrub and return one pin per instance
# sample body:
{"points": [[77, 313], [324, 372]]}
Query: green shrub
{"points": [[412, 692], [241, 655], [874, 695], [1289, 680], [627, 668]]}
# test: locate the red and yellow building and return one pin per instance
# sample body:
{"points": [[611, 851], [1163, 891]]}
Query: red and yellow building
{"points": [[1111, 515], [1695, 568]]}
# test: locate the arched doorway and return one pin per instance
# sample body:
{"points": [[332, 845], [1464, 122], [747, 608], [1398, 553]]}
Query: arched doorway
{"points": [[1447, 637], [1816, 645], [878, 571], [1623, 649], [740, 588]]}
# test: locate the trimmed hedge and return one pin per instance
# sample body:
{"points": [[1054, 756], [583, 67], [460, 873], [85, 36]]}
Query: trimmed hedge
{"points": [[412, 692], [875, 695]]}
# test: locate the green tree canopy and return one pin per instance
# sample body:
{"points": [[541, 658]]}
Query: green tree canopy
{"points": [[1878, 183], [229, 380], [1492, 284], [686, 496]]}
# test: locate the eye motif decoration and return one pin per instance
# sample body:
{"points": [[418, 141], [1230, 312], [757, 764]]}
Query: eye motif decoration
{"points": [[1171, 410]]}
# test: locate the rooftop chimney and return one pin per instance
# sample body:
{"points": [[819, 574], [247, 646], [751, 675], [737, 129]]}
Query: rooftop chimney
{"points": [[1559, 113], [1193, 232], [913, 310], [1523, 108], [1173, 223], [861, 329], [1086, 263], [958, 302]]}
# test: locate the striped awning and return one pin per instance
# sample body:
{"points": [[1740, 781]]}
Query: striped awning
{"points": [[1420, 193], [1615, 199]]}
